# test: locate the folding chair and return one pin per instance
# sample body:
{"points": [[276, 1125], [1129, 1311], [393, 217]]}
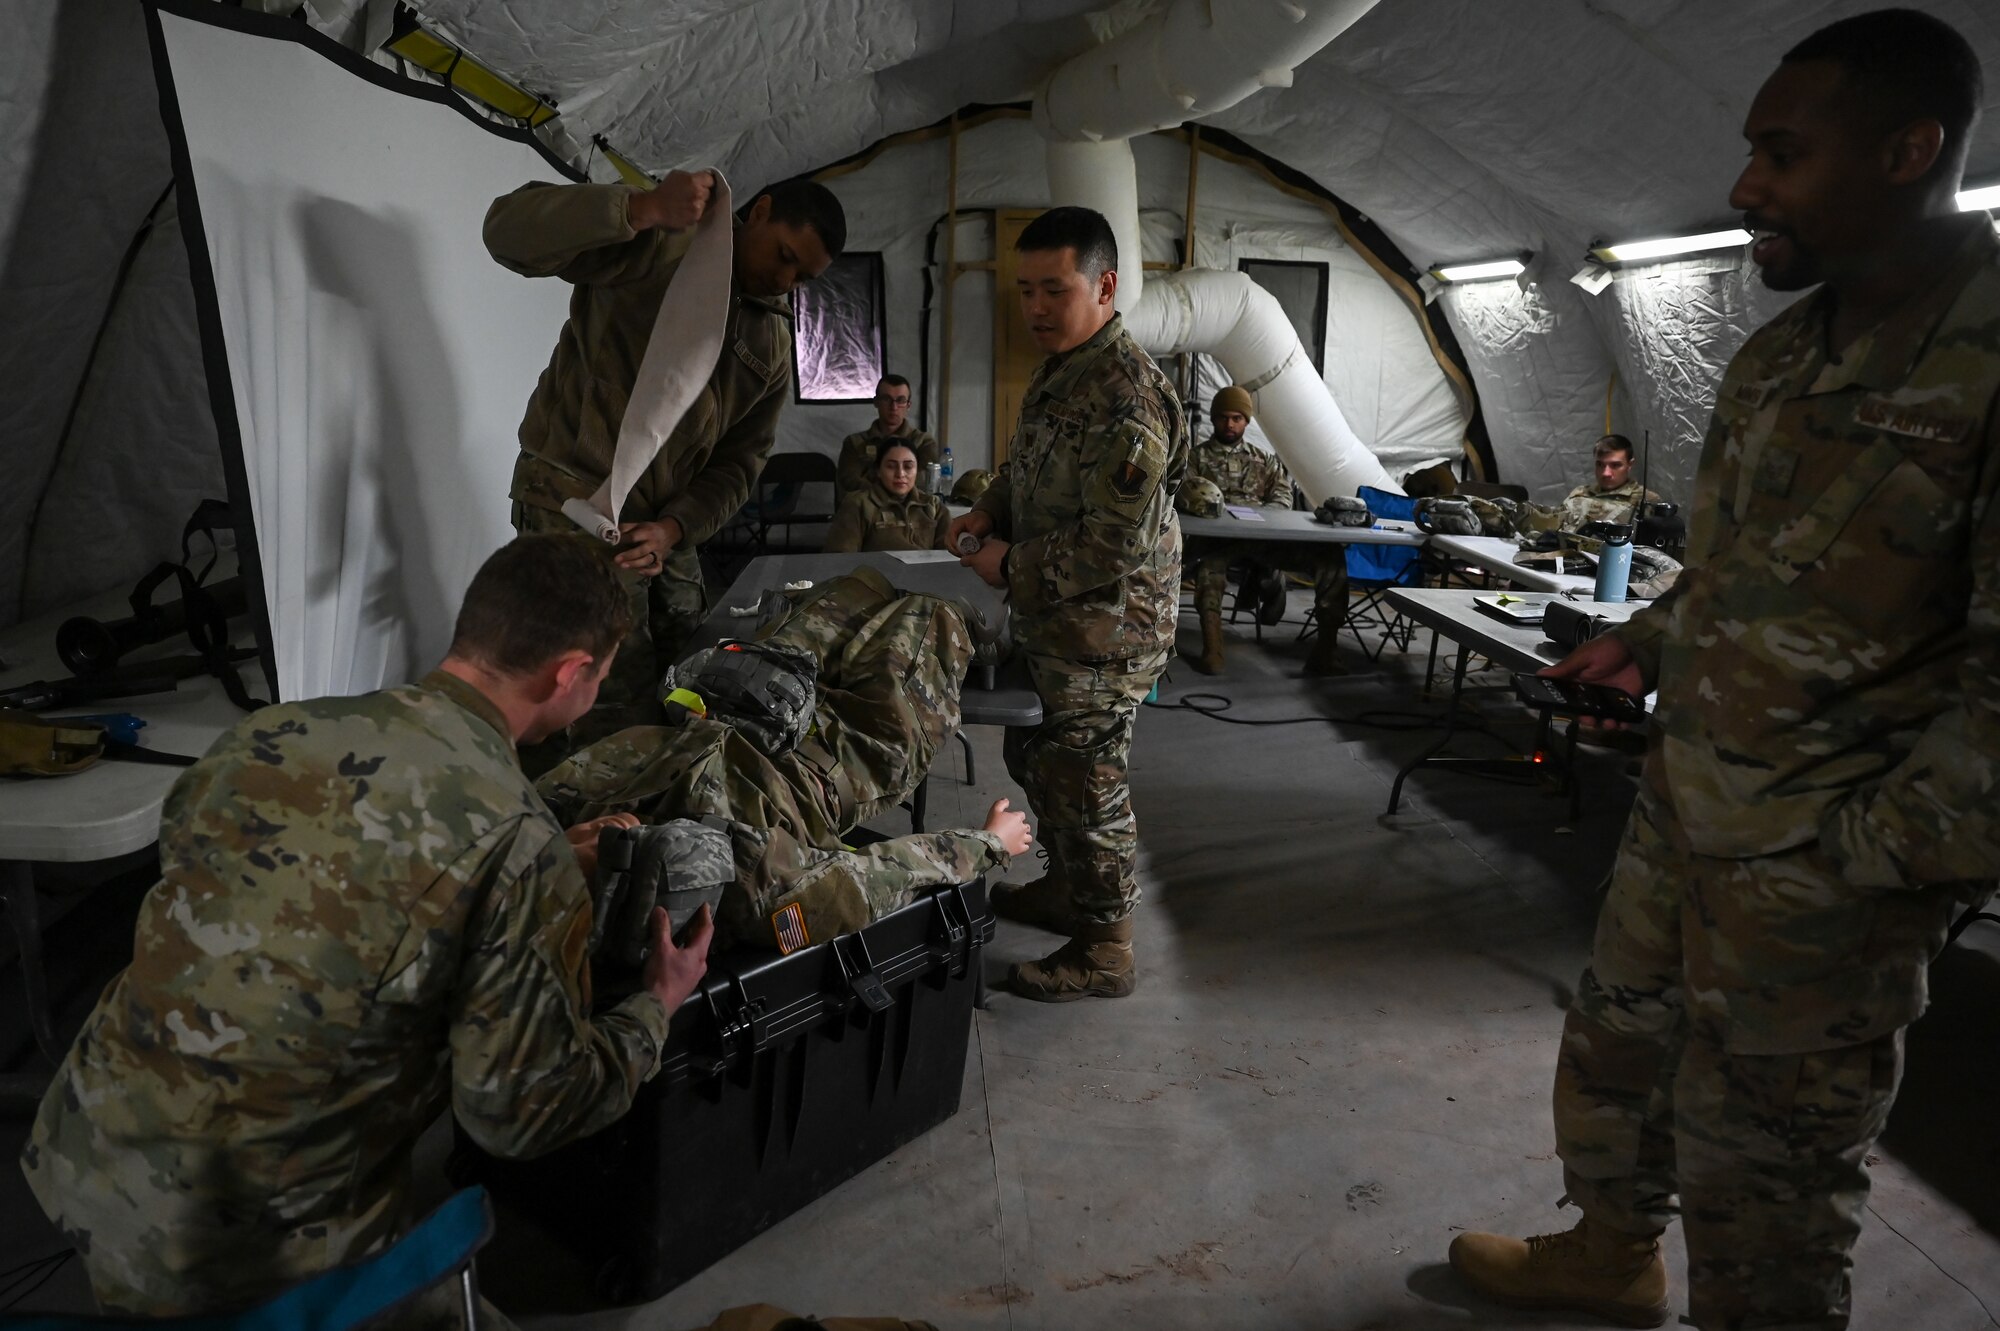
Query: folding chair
{"points": [[439, 1249], [781, 490]]}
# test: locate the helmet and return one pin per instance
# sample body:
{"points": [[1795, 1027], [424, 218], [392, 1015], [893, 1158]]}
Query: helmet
{"points": [[1200, 498], [971, 486], [1448, 516], [1344, 511]]}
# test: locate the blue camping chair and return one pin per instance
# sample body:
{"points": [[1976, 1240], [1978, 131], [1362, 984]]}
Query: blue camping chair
{"points": [[1373, 570], [440, 1248]]}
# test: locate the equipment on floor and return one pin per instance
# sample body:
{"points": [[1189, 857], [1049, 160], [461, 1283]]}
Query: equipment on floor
{"points": [[781, 1078]]}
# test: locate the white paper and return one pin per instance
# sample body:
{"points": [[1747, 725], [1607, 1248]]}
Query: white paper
{"points": [[1243, 514], [925, 556]]}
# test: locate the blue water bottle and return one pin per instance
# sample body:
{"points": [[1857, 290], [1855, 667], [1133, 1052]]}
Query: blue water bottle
{"points": [[1614, 566], [944, 473]]}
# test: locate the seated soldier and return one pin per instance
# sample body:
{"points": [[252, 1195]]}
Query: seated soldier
{"points": [[890, 513], [857, 451], [876, 677], [1247, 475], [365, 916], [1615, 494]]}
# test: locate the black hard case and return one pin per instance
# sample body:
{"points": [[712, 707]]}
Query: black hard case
{"points": [[783, 1077]]}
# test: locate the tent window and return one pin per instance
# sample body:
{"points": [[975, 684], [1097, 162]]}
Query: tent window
{"points": [[1300, 287], [840, 331]]}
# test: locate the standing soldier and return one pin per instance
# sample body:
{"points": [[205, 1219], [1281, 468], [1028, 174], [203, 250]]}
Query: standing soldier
{"points": [[860, 451], [1080, 529], [1819, 798], [620, 247], [365, 916], [1247, 475]]}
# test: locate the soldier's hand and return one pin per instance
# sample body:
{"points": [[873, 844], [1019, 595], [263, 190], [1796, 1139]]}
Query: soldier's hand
{"points": [[1604, 660], [672, 973], [985, 561], [645, 544], [583, 838], [979, 524], [1011, 827], [675, 204]]}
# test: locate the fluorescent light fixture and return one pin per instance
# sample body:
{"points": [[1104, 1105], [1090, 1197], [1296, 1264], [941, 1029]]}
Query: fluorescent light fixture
{"points": [[1979, 200], [1477, 272], [1666, 247]]}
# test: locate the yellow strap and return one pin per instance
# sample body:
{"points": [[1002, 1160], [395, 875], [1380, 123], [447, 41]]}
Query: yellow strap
{"points": [[467, 75], [689, 699]]}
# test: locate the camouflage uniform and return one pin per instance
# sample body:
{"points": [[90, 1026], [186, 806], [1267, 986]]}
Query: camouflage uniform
{"points": [[705, 470], [1819, 799], [891, 668], [874, 519], [1246, 474], [858, 457], [365, 916], [1587, 503], [1094, 581]]}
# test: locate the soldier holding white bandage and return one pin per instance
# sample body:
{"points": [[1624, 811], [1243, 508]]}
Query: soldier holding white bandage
{"points": [[621, 248]]}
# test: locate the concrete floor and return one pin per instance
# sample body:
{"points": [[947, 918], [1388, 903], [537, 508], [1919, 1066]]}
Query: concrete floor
{"points": [[1339, 1055]]}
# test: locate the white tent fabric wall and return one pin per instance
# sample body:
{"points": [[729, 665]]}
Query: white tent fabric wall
{"points": [[96, 497], [1381, 369], [379, 359]]}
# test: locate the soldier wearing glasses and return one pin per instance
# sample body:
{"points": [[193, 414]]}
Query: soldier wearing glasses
{"points": [[858, 452]]}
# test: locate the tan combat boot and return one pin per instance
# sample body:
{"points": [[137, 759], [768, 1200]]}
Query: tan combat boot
{"points": [[1043, 903], [1097, 962], [1611, 1274], [1210, 661]]}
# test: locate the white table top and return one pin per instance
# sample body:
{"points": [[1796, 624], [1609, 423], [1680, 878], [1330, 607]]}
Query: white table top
{"points": [[1291, 525], [1450, 611], [111, 808], [1496, 555]]}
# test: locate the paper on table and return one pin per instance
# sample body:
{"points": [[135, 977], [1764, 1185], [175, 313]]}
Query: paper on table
{"points": [[925, 556], [1243, 513]]}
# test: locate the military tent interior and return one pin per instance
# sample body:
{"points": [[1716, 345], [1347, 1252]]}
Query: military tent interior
{"points": [[240, 257]]}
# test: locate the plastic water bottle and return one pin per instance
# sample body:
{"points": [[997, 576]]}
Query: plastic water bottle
{"points": [[944, 473], [1614, 567]]}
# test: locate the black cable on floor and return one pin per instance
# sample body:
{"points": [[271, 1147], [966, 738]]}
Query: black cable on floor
{"points": [[23, 1280], [1214, 705]]}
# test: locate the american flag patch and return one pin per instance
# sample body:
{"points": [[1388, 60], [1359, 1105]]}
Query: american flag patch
{"points": [[789, 924]]}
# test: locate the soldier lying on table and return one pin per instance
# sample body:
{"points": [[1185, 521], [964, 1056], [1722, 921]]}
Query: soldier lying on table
{"points": [[830, 716]]}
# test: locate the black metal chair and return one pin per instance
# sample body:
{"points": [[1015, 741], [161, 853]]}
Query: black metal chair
{"points": [[781, 492]]}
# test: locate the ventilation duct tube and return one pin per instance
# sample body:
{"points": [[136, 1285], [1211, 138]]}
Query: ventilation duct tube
{"points": [[1197, 57]]}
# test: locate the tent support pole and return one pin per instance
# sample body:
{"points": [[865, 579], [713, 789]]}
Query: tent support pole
{"points": [[950, 283], [1187, 243]]}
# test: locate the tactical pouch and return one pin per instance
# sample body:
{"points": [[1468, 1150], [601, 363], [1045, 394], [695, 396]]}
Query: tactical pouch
{"points": [[764, 691], [31, 746], [681, 865]]}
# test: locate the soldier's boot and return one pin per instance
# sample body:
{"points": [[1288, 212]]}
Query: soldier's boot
{"points": [[1044, 903], [1095, 963], [1325, 657], [1210, 660], [1619, 1277]]}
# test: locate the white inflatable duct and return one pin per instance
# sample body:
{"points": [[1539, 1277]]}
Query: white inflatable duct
{"points": [[1197, 57]]}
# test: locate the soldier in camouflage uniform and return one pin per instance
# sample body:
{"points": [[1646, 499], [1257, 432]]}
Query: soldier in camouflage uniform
{"points": [[1247, 475], [890, 669], [890, 513], [365, 916], [619, 247], [1080, 528], [1820, 795], [860, 451], [1615, 494]]}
